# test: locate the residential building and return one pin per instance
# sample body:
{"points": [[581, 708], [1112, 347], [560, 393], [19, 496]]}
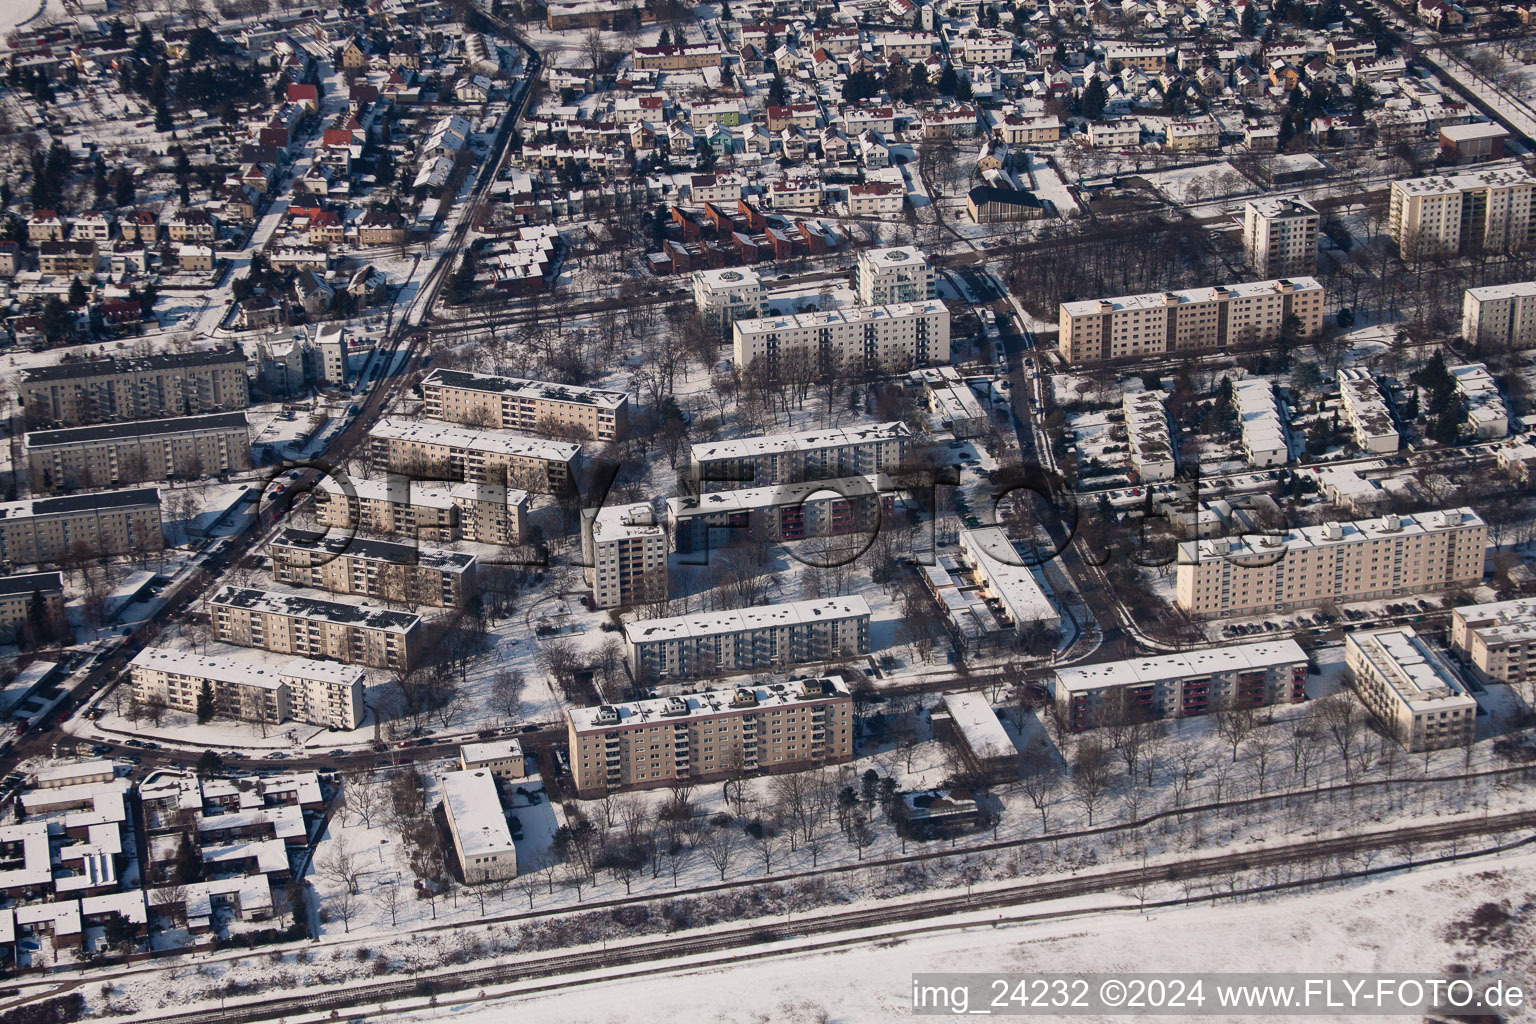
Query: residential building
{"points": [[676, 58], [896, 336], [433, 450], [17, 597], [102, 523], [438, 513], [89, 391], [1487, 417], [1501, 316], [722, 297], [125, 453], [289, 624], [503, 758], [952, 401], [1180, 685], [793, 458], [1261, 423], [1147, 436], [968, 723], [1411, 689], [1483, 210], [478, 825], [1498, 639], [67, 258], [781, 512], [1366, 412], [716, 734], [1008, 582], [251, 688], [1309, 566], [882, 276], [1193, 320], [763, 638], [624, 550], [527, 406], [409, 574], [1280, 235]]}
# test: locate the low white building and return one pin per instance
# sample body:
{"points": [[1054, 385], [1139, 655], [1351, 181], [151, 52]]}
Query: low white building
{"points": [[1486, 414], [502, 758], [1263, 427], [1006, 579], [1411, 689], [1148, 437], [478, 825], [1366, 411], [722, 297]]}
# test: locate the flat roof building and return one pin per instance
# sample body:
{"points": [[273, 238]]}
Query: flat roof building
{"points": [[252, 688], [1500, 317], [502, 758], [893, 275], [434, 512], [761, 638], [1180, 685], [1411, 689], [1483, 210], [777, 727], [1366, 411], [724, 296], [1261, 423], [1007, 582], [1309, 566], [103, 523], [128, 453], [1498, 639], [794, 458], [624, 549], [16, 603], [782, 512], [290, 624], [409, 574], [566, 411], [109, 390], [889, 337], [438, 451], [1487, 416], [478, 825], [1280, 235], [968, 722], [1148, 437]]}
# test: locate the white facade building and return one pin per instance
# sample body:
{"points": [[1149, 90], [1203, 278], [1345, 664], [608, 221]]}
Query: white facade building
{"points": [[1148, 437], [722, 297], [1411, 689], [884, 276], [1366, 411], [1487, 209], [1500, 316], [1262, 425], [895, 336], [1280, 235], [1486, 414], [478, 825]]}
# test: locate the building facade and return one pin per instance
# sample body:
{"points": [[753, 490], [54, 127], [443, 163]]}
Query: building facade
{"points": [[287, 624], [103, 523], [126, 453], [794, 458], [883, 276], [1280, 236], [1194, 320], [1310, 566], [433, 450], [793, 726], [152, 387], [252, 690], [1500, 317], [721, 297], [767, 637], [1366, 412], [478, 825], [398, 573], [1487, 210], [526, 406], [783, 512], [1498, 639], [439, 513], [1411, 689], [624, 550], [893, 337]]}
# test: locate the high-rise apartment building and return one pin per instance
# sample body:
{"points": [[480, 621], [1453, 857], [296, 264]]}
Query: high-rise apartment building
{"points": [[252, 689], [882, 276], [440, 513], [434, 450], [1500, 316], [892, 337], [148, 387], [103, 523], [1411, 689], [289, 624], [408, 574], [1180, 685], [716, 734], [1309, 566], [794, 458], [526, 406], [1193, 320], [1484, 210], [110, 454], [625, 550], [1280, 235], [722, 297], [764, 638]]}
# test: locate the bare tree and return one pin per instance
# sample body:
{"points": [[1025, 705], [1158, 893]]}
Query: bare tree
{"points": [[1039, 780], [1090, 774], [343, 904], [720, 849], [387, 896], [1235, 719], [507, 694]]}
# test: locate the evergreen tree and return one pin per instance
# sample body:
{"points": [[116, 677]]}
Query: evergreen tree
{"points": [[963, 89], [122, 188], [1250, 21], [77, 294], [163, 122], [37, 618], [947, 81], [205, 702], [1093, 99]]}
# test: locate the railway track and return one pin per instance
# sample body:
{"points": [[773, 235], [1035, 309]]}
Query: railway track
{"points": [[754, 936]]}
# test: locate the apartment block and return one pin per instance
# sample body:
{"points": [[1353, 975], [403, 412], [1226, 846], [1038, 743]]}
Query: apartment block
{"points": [[764, 638], [794, 458], [1498, 639], [1487, 416], [289, 624], [433, 450], [398, 573], [252, 689], [1366, 412], [1261, 423], [151, 387], [882, 276], [1411, 689], [1309, 566], [1280, 235], [1193, 320], [716, 734], [1500, 316], [783, 512], [527, 406], [16, 596], [1181, 685], [440, 513], [103, 523], [892, 337], [722, 297], [625, 551], [478, 826], [1148, 437], [1487, 209], [126, 453]]}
